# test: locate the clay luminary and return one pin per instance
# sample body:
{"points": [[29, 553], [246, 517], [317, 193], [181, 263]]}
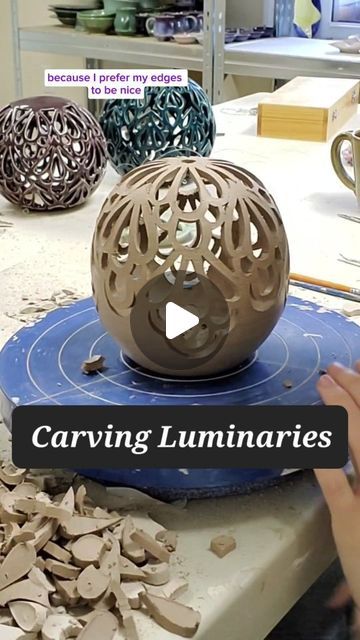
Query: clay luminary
{"points": [[52, 153], [168, 121], [237, 242]]}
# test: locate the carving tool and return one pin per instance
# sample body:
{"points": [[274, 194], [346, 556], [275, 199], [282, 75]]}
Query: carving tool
{"points": [[324, 286], [352, 261], [345, 216]]}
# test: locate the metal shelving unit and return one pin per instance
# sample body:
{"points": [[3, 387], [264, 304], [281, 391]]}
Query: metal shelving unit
{"points": [[137, 51], [277, 58], [286, 58]]}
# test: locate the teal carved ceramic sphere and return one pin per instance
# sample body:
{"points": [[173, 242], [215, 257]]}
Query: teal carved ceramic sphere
{"points": [[168, 121]]}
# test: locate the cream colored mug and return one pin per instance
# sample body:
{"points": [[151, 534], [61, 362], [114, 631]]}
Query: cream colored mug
{"points": [[352, 182]]}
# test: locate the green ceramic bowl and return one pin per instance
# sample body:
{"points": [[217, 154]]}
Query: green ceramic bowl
{"points": [[97, 13], [97, 21]]}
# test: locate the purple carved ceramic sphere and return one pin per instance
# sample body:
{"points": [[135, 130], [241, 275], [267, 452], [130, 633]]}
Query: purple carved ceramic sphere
{"points": [[52, 153]]}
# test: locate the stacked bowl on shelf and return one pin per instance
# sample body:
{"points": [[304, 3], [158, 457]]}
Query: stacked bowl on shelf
{"points": [[67, 14], [163, 19], [95, 21], [178, 20]]}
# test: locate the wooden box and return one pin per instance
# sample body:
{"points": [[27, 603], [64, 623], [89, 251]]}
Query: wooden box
{"points": [[308, 108]]}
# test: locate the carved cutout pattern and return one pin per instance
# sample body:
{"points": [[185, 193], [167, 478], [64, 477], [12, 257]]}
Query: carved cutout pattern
{"points": [[235, 235], [178, 218], [168, 121], [52, 153]]}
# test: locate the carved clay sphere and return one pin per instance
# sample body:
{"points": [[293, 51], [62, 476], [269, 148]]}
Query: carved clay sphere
{"points": [[167, 121], [52, 153], [235, 237]]}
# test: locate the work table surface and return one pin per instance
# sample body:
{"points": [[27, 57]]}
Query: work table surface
{"points": [[289, 57], [294, 47], [283, 534]]}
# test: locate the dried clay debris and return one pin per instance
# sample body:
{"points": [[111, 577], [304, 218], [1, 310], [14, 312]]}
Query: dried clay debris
{"points": [[93, 364], [222, 545], [72, 569], [35, 310]]}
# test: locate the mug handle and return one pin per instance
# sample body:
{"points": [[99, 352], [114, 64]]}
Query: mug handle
{"points": [[195, 23], [150, 24], [337, 160]]}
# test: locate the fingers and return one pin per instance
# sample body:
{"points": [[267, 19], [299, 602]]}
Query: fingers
{"points": [[357, 366], [334, 390], [337, 491], [347, 379]]}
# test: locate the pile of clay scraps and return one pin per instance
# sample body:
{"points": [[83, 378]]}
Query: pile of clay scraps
{"points": [[35, 310], [71, 569]]}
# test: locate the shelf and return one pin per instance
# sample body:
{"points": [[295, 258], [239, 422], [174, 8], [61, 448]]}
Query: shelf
{"points": [[285, 58], [134, 50]]}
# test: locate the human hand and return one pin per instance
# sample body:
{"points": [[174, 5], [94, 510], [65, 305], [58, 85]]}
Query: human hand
{"points": [[341, 386]]}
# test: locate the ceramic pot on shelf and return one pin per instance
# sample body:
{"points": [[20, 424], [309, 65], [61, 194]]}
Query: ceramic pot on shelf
{"points": [[185, 23], [161, 26], [125, 21], [141, 19], [200, 20]]}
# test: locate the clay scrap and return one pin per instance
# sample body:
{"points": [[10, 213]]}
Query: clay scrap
{"points": [[88, 550], [93, 364], [103, 626], [175, 588], [60, 627], [222, 545], [130, 548], [24, 590], [11, 475], [351, 309], [79, 526], [14, 633], [72, 569], [92, 583], [145, 540], [17, 564], [37, 309], [58, 553], [169, 538], [29, 616], [133, 591], [172, 616], [156, 573]]}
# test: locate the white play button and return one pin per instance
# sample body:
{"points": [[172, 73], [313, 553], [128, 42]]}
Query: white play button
{"points": [[178, 329], [178, 320]]}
